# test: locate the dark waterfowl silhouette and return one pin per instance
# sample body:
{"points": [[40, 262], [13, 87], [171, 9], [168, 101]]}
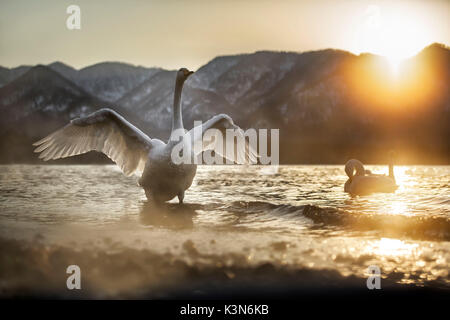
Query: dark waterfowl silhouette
{"points": [[363, 182]]}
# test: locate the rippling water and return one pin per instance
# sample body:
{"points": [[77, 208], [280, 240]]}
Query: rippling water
{"points": [[291, 218]]}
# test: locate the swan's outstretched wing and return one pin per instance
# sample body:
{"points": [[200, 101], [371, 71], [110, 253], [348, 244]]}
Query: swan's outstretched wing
{"points": [[104, 131], [243, 152]]}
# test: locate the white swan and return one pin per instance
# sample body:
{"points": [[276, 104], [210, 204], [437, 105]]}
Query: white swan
{"points": [[363, 182], [133, 151]]}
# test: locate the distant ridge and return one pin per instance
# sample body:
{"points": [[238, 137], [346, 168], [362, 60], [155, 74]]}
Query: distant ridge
{"points": [[329, 105]]}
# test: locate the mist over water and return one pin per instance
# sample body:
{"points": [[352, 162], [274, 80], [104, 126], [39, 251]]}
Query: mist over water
{"points": [[237, 224]]}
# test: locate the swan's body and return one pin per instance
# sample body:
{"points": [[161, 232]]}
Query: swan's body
{"points": [[133, 151], [362, 182], [163, 180]]}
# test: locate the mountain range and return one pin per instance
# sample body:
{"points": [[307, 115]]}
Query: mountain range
{"points": [[330, 105]]}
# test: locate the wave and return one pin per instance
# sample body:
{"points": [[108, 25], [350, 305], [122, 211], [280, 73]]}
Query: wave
{"points": [[37, 270], [388, 225]]}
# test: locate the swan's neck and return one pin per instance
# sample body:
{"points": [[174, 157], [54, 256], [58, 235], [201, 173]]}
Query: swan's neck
{"points": [[177, 119], [354, 165], [391, 170]]}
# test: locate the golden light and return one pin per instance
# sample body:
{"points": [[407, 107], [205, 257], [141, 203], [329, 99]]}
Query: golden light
{"points": [[392, 32], [392, 247], [398, 207]]}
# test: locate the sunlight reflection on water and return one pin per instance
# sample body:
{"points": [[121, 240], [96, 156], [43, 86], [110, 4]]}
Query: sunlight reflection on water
{"points": [[294, 216], [392, 247]]}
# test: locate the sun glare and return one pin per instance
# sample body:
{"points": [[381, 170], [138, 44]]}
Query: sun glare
{"points": [[392, 33]]}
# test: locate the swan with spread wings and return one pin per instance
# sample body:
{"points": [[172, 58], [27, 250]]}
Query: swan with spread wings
{"points": [[133, 151]]}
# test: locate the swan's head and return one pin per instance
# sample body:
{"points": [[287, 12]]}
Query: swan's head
{"points": [[183, 74], [353, 166]]}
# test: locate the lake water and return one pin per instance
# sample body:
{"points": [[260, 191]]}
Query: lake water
{"points": [[258, 227]]}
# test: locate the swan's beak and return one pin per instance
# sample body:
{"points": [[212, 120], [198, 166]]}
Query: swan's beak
{"points": [[189, 73]]}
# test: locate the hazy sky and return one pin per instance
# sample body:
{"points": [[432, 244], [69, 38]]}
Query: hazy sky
{"points": [[174, 33]]}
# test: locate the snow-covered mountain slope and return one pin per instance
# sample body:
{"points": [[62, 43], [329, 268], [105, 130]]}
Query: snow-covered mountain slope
{"points": [[8, 75], [150, 104], [43, 94], [326, 103], [108, 81]]}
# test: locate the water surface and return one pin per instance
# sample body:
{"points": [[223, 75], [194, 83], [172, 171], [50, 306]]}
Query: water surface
{"points": [[235, 220]]}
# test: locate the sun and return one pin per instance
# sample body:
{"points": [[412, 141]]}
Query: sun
{"points": [[393, 33]]}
